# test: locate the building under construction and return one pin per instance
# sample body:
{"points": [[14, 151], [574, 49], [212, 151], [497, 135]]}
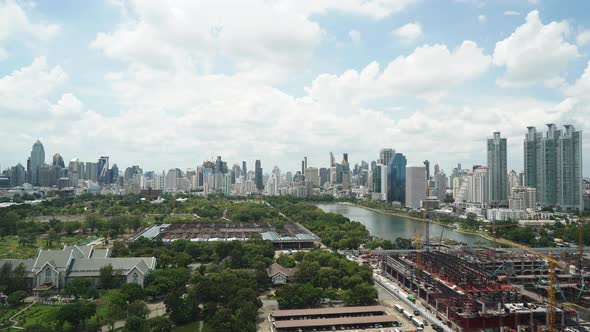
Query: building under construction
{"points": [[479, 288]]}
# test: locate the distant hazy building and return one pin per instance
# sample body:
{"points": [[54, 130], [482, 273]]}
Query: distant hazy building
{"points": [[75, 172], [17, 176], [58, 161], [380, 182], [312, 175], [385, 155], [91, 171], [258, 175], [522, 198], [324, 176], [37, 159], [497, 170], [415, 186], [553, 165], [103, 170], [171, 181]]}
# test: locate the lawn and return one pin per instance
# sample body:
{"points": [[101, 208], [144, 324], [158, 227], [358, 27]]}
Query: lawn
{"points": [[37, 314], [192, 327], [9, 247], [7, 311]]}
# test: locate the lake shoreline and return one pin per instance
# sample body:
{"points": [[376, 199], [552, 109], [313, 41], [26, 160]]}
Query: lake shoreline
{"points": [[401, 215]]}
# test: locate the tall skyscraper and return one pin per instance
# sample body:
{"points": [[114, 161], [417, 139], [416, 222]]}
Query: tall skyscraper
{"points": [[324, 176], [58, 161], [396, 178], [415, 186], [427, 168], [498, 170], [553, 165], [312, 175], [37, 159], [258, 175], [385, 155], [103, 170], [114, 174], [332, 160], [244, 170]]}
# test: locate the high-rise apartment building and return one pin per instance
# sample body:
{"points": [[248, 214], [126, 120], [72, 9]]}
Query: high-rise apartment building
{"points": [[497, 170], [37, 159], [91, 171], [553, 165], [522, 198]]}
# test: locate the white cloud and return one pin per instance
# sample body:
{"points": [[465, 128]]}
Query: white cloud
{"points": [[15, 24], [482, 18], [408, 32], [355, 36], [534, 52], [256, 37], [511, 13], [583, 38], [429, 72]]}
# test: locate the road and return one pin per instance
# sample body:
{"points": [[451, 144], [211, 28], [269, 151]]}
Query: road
{"points": [[396, 291]]}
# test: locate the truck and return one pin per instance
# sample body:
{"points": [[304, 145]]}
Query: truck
{"points": [[407, 315], [398, 308]]}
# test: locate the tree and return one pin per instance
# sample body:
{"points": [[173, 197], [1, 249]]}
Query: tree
{"points": [[91, 221], [81, 287], [71, 227], [133, 291], [16, 298], [135, 324], [138, 309], [106, 277], [160, 324], [76, 313]]}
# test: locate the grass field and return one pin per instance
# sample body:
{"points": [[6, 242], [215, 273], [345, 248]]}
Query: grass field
{"points": [[9, 247], [7, 311], [192, 327]]}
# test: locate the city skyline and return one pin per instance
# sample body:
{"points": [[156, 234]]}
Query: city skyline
{"points": [[159, 91]]}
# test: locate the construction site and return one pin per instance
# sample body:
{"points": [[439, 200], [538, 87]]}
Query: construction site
{"points": [[471, 289]]}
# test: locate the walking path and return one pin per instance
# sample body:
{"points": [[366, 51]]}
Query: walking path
{"points": [[12, 318]]}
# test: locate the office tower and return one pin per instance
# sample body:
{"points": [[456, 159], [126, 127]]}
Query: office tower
{"points": [[497, 170], [522, 198], [58, 161], [396, 178], [29, 173], [37, 159], [303, 167], [324, 176], [553, 165], [312, 175], [114, 175], [305, 160], [131, 173], [415, 186], [427, 168], [103, 170], [332, 160], [345, 158], [440, 183], [258, 175], [289, 177], [385, 155], [91, 171], [170, 182], [244, 169], [18, 175]]}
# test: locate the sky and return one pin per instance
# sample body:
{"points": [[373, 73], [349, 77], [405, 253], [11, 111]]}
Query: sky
{"points": [[165, 84]]}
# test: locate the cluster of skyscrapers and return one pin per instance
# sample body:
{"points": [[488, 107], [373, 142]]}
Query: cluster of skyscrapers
{"points": [[552, 177]]}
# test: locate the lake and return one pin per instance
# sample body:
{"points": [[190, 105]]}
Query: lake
{"points": [[390, 227]]}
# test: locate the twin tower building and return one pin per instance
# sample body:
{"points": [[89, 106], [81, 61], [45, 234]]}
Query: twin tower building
{"points": [[552, 165]]}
